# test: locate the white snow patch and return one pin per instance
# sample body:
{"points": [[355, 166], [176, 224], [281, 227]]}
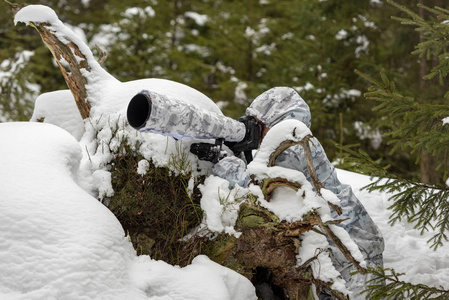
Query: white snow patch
{"points": [[314, 245], [143, 166], [220, 204], [341, 34], [36, 14], [58, 242], [59, 108], [406, 249], [199, 19]]}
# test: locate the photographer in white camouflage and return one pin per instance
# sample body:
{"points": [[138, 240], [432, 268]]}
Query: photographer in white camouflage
{"points": [[282, 103]]}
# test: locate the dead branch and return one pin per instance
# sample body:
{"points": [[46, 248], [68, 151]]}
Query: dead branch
{"points": [[67, 55], [270, 184], [102, 55], [342, 247], [311, 169], [15, 6]]}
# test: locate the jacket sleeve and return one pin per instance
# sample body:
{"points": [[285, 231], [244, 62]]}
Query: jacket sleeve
{"points": [[233, 169]]}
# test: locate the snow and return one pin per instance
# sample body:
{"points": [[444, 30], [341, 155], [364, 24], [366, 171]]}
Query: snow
{"points": [[365, 132], [59, 108], [199, 19], [139, 12], [37, 14], [313, 245], [143, 166], [10, 70], [220, 205], [56, 239], [406, 250], [292, 206], [58, 242], [341, 35]]}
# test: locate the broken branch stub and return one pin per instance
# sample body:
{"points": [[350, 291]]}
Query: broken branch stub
{"points": [[70, 54], [73, 64]]}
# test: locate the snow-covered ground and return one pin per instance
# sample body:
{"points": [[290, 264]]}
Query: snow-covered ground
{"points": [[59, 242], [406, 250]]}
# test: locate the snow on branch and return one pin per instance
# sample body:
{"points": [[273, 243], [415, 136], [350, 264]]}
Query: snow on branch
{"points": [[72, 55], [316, 203]]}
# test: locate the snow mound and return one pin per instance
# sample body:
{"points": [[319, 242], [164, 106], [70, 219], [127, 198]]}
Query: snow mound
{"points": [[59, 108], [58, 242]]}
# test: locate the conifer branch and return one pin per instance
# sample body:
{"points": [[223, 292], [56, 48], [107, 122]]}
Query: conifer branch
{"points": [[435, 33], [416, 125], [364, 163], [394, 288]]}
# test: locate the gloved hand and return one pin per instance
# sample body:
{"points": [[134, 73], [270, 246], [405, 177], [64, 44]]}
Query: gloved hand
{"points": [[253, 135]]}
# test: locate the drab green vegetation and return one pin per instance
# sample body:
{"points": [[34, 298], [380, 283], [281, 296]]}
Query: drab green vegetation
{"points": [[156, 209]]}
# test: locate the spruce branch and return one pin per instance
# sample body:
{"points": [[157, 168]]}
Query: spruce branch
{"points": [[365, 164], [417, 126], [435, 33], [424, 205], [394, 288]]}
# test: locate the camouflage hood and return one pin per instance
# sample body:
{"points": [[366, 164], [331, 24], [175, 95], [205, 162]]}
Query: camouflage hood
{"points": [[278, 104]]}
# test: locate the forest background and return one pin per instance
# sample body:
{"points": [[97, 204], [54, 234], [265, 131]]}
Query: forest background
{"points": [[234, 50]]}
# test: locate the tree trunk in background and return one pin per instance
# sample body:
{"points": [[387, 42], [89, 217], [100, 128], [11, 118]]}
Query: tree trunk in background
{"points": [[427, 160]]}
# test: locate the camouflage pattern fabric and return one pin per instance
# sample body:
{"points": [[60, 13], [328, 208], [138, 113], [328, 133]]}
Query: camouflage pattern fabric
{"points": [[179, 119], [232, 169], [281, 103]]}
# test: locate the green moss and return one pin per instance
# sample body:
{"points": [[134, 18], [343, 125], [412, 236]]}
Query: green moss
{"points": [[252, 221], [156, 209], [219, 248]]}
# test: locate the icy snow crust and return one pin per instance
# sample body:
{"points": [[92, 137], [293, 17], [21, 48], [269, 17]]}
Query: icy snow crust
{"points": [[58, 242]]}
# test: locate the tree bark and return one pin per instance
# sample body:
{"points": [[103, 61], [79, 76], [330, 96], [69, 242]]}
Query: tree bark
{"points": [[66, 54], [71, 54], [427, 160]]}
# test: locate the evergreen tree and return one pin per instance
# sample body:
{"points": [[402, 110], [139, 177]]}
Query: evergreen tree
{"points": [[420, 127], [25, 74]]}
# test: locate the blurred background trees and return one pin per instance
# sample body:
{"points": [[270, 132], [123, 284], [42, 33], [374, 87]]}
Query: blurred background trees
{"points": [[233, 50]]}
